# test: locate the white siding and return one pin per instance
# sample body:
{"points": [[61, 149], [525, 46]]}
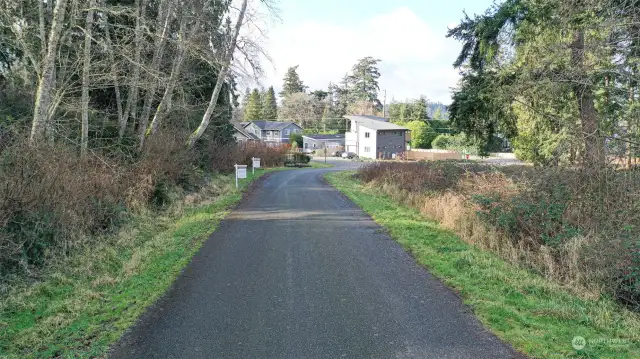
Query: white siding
{"points": [[356, 140], [350, 140], [369, 142]]}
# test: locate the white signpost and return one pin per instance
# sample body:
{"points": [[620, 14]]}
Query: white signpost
{"points": [[241, 172], [255, 164]]}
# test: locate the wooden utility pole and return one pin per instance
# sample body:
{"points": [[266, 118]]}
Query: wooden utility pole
{"points": [[384, 105]]}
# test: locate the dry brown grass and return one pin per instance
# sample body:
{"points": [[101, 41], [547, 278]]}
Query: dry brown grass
{"points": [[52, 202], [573, 226]]}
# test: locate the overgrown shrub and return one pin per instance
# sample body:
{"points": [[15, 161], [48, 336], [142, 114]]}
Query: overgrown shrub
{"points": [[217, 158], [297, 138], [296, 158], [52, 201], [576, 226], [458, 142]]}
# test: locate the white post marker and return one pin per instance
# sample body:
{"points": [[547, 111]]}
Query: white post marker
{"points": [[241, 172], [255, 163]]}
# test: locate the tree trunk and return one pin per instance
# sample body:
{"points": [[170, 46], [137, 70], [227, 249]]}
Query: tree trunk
{"points": [[593, 142], [43, 92], [161, 40], [132, 98], [41, 28], [114, 68], [84, 141], [226, 64], [165, 103]]}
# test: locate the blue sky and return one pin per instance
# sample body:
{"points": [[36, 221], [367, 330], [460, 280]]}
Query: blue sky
{"points": [[326, 37]]}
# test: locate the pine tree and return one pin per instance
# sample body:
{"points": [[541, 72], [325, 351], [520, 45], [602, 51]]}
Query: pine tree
{"points": [[292, 83], [341, 96], [254, 107], [364, 80], [419, 109], [269, 105]]}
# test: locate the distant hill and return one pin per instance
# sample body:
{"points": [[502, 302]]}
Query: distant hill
{"points": [[432, 107]]}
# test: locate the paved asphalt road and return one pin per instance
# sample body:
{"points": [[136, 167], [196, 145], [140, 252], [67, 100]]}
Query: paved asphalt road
{"points": [[299, 271]]}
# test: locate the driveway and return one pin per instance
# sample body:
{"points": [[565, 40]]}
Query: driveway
{"points": [[299, 271]]}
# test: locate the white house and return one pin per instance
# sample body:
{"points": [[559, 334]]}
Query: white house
{"points": [[374, 137]]}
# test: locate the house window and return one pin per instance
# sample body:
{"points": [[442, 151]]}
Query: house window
{"points": [[367, 149], [286, 132], [399, 133], [367, 135]]}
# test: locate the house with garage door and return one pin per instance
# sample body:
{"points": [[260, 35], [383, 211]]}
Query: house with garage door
{"points": [[375, 137], [332, 142]]}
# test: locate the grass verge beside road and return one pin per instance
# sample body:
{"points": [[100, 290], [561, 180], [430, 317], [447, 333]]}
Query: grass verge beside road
{"points": [[536, 316], [79, 308], [319, 164]]}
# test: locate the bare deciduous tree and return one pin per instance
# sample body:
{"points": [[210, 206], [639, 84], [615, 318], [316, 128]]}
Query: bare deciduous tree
{"points": [[222, 78], [84, 142], [45, 84]]}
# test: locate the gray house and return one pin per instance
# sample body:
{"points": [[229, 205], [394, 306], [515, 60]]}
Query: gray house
{"points": [[374, 137], [333, 142], [243, 136], [272, 131]]}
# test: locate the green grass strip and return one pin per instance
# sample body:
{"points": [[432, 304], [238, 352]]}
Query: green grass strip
{"points": [[536, 316], [80, 308]]}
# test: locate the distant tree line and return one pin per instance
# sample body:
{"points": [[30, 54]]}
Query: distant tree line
{"points": [[322, 110]]}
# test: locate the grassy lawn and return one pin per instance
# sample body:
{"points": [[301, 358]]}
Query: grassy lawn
{"points": [[82, 306], [536, 316], [316, 164]]}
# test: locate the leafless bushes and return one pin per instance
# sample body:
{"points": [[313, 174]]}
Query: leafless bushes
{"points": [[51, 203], [223, 158], [574, 226]]}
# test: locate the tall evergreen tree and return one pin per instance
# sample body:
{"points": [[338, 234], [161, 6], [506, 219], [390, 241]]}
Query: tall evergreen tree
{"points": [[341, 96], [269, 105], [253, 111], [320, 95], [245, 101], [364, 80], [419, 109], [292, 83]]}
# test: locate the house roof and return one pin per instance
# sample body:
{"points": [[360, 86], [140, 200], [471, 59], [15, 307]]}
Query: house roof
{"points": [[377, 118], [240, 129], [272, 125], [325, 137], [376, 123]]}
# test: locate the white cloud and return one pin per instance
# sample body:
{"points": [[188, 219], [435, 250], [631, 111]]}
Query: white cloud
{"points": [[415, 59]]}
